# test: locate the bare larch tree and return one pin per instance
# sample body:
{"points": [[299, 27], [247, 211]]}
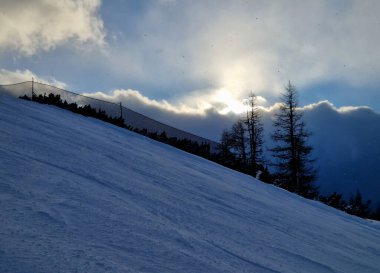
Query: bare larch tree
{"points": [[292, 154]]}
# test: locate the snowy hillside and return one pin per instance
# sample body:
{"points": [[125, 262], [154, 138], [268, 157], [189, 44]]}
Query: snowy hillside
{"points": [[80, 195]]}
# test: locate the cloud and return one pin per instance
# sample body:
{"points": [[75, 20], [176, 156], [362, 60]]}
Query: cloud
{"points": [[11, 77], [195, 52], [347, 145], [28, 27], [203, 121], [134, 99], [199, 103], [244, 46], [349, 110]]}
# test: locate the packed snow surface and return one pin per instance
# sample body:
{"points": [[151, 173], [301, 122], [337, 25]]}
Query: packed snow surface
{"points": [[80, 195]]}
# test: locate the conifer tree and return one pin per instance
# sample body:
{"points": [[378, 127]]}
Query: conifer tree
{"points": [[255, 134], [358, 207], [292, 154], [239, 141]]}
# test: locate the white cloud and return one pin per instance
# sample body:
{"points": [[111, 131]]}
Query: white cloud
{"points": [[199, 103], [134, 99], [30, 26], [242, 46], [340, 110], [11, 77]]}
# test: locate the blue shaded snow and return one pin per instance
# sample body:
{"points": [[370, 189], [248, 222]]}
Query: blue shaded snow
{"points": [[80, 195]]}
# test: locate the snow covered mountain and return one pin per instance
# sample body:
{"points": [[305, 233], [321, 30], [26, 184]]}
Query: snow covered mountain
{"points": [[80, 195]]}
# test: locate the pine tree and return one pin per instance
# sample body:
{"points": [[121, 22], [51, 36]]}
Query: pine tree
{"points": [[334, 200], [255, 134], [292, 154], [239, 142], [356, 206]]}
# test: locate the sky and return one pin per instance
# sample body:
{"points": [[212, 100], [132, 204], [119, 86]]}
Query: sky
{"points": [[198, 54], [192, 63]]}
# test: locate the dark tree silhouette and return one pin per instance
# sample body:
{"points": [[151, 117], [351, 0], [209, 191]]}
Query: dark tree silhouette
{"points": [[356, 206], [224, 155], [292, 154], [241, 147], [254, 128], [334, 200], [239, 142]]}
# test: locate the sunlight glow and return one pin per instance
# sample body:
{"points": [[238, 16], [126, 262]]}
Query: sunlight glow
{"points": [[231, 104]]}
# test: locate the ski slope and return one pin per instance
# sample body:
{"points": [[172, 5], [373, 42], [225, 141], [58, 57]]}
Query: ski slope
{"points": [[80, 195]]}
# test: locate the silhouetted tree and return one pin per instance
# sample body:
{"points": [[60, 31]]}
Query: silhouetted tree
{"points": [[294, 170], [334, 200], [254, 128], [357, 207], [245, 142], [224, 155], [85, 110], [239, 142]]}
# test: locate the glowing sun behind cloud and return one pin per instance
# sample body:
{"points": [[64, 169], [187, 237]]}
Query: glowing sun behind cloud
{"points": [[231, 104]]}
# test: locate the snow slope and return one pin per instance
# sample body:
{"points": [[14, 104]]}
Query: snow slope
{"points": [[80, 195]]}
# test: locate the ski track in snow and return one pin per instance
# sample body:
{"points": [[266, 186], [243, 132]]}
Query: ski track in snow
{"points": [[80, 195]]}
